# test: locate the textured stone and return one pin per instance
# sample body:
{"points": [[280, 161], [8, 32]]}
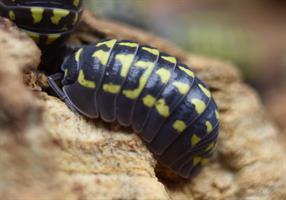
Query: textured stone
{"points": [[61, 155], [274, 101]]}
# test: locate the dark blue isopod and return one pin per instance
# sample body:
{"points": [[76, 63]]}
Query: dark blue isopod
{"points": [[138, 86]]}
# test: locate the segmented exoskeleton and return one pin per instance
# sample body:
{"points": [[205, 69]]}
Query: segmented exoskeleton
{"points": [[48, 22], [150, 91]]}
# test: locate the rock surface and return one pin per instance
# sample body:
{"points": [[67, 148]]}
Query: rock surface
{"points": [[274, 102], [48, 152]]}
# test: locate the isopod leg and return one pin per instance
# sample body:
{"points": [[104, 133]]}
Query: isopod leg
{"points": [[52, 79], [52, 82]]}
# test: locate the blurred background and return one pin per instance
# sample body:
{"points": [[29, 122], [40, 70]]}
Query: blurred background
{"points": [[249, 33]]}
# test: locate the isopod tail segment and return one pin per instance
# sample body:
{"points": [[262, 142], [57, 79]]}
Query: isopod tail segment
{"points": [[138, 86]]}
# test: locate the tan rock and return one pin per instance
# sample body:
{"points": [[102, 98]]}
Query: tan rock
{"points": [[55, 154]]}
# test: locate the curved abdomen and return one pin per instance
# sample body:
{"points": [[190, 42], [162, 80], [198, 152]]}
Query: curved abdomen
{"points": [[160, 98]]}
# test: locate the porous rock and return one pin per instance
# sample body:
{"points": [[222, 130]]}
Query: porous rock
{"points": [[49, 152]]}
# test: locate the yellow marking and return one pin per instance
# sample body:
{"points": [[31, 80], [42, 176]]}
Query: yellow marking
{"points": [[76, 3], [111, 88], [37, 14], [215, 146], [162, 108], [66, 72], [164, 75], [128, 44], [143, 64], [195, 139], [210, 146], [75, 19], [133, 94], [209, 127], [182, 87], [152, 51], [126, 61], [58, 14], [108, 43], [170, 59], [82, 81], [205, 90], [52, 37], [179, 126], [200, 106], [149, 101], [12, 15], [204, 161], [187, 71], [77, 54], [196, 160], [216, 114], [34, 36], [65, 28], [102, 56]]}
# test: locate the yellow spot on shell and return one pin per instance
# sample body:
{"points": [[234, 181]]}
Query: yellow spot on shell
{"points": [[12, 15], [215, 146], [111, 88], [108, 43], [75, 19], [209, 127], [170, 59], [210, 146], [204, 161], [66, 72], [126, 61], [164, 75], [143, 64], [187, 71], [162, 108], [149, 101], [179, 126], [102, 56], [196, 160], [76, 3], [128, 44], [34, 36], [216, 114], [86, 83], [37, 14], [58, 14], [195, 139], [77, 54], [152, 51], [133, 94], [200, 106], [182, 87], [205, 90], [52, 37]]}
